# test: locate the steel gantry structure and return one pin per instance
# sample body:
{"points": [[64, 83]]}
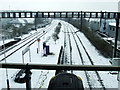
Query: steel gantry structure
{"points": [[67, 14], [62, 14]]}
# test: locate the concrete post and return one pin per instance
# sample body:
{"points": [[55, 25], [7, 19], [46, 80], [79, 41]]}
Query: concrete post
{"points": [[0, 26], [119, 6], [81, 21], [116, 62]]}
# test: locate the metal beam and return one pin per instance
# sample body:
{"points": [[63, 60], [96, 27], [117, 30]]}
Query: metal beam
{"points": [[60, 67], [60, 14], [116, 36]]}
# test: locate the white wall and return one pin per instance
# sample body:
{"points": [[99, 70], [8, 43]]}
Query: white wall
{"points": [[111, 33], [0, 24], [106, 26], [94, 25]]}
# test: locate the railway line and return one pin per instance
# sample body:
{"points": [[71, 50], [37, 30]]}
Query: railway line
{"points": [[71, 33], [69, 46], [96, 72], [74, 53], [28, 41], [20, 42], [98, 76]]}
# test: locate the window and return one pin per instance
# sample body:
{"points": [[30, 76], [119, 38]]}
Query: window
{"points": [[110, 28], [113, 29]]}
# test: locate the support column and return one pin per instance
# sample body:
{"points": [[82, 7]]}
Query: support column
{"points": [[35, 22], [118, 80], [116, 35], [115, 46], [28, 79], [81, 21]]}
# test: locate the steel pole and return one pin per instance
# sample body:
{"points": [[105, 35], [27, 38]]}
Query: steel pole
{"points": [[116, 35], [61, 67], [28, 78]]}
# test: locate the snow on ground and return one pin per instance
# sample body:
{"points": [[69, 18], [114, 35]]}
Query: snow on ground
{"points": [[29, 20], [40, 78], [98, 59], [35, 58]]}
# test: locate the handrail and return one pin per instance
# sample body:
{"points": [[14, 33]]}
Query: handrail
{"points": [[59, 14], [60, 67]]}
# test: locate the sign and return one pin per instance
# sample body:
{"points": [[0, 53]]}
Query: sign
{"points": [[38, 39], [24, 52]]}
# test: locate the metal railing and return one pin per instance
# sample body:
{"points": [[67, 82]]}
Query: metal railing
{"points": [[60, 67], [28, 67], [61, 14]]}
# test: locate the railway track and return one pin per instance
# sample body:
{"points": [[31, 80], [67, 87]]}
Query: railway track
{"points": [[99, 78], [18, 43], [67, 48], [27, 41], [78, 42]]}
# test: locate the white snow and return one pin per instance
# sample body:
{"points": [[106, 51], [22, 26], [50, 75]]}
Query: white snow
{"points": [[97, 59], [41, 78]]}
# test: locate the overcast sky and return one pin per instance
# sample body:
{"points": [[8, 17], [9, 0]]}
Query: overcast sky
{"points": [[60, 5]]}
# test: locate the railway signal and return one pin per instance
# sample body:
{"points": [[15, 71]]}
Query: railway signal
{"points": [[110, 15], [38, 49]]}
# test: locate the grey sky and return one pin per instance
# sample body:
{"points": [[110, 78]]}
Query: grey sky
{"points": [[60, 5]]}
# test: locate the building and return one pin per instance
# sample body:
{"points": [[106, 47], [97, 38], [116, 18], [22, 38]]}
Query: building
{"points": [[0, 24], [104, 26], [0, 29], [6, 34], [94, 25], [112, 30], [119, 6]]}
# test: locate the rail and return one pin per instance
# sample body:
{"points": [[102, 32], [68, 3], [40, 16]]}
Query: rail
{"points": [[66, 14], [60, 14], [60, 67]]}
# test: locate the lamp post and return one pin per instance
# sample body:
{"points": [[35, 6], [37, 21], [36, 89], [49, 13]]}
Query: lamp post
{"points": [[38, 45], [116, 35], [35, 23]]}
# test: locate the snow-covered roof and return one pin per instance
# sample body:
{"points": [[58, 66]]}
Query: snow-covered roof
{"points": [[30, 20], [38, 77], [113, 24]]}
